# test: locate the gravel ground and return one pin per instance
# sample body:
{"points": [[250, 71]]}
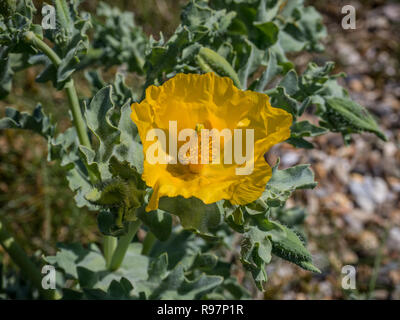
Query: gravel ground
{"points": [[354, 213]]}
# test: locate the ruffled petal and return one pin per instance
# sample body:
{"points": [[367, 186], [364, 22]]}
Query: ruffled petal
{"points": [[191, 99]]}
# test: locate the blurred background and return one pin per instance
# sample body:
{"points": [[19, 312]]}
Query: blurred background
{"points": [[354, 213]]}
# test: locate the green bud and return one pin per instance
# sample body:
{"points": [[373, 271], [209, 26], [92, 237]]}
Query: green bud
{"points": [[111, 193], [210, 61]]}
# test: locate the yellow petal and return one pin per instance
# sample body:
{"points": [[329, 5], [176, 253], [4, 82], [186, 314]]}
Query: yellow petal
{"points": [[214, 102]]}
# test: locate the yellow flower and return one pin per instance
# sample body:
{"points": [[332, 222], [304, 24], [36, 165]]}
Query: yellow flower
{"points": [[207, 102]]}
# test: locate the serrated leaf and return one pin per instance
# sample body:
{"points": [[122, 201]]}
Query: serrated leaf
{"points": [[176, 286], [117, 40], [290, 247], [71, 256], [302, 129], [129, 148], [273, 69], [284, 182], [347, 116], [37, 122], [97, 115], [77, 262], [68, 65], [255, 254], [281, 99]]}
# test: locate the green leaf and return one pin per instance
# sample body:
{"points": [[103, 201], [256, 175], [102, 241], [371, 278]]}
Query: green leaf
{"points": [[234, 216], [64, 16], [88, 266], [159, 222], [7, 7], [182, 247], [281, 99], [199, 18], [68, 65], [273, 69], [15, 23], [129, 148], [65, 147], [256, 253], [315, 79], [6, 73], [109, 223], [291, 217], [71, 256], [268, 35], [193, 214], [118, 40], [287, 245], [70, 34], [37, 122], [98, 115], [120, 289], [306, 129], [175, 285], [290, 83], [346, 116], [302, 129], [284, 182], [205, 261]]}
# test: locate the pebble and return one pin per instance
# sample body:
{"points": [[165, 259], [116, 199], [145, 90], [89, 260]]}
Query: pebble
{"points": [[393, 241]]}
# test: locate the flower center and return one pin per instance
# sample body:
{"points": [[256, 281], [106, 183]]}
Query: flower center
{"points": [[197, 168]]}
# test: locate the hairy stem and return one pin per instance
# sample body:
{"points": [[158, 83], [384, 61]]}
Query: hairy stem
{"points": [[123, 244], [27, 267]]}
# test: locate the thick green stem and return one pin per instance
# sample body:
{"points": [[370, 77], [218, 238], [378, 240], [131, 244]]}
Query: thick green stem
{"points": [[109, 245], [77, 114], [27, 267], [123, 244], [148, 243]]}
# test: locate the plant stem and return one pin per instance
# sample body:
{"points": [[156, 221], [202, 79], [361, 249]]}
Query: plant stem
{"points": [[43, 47], [109, 245], [27, 267], [148, 243], [46, 207], [73, 100], [377, 265], [123, 244], [77, 114]]}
